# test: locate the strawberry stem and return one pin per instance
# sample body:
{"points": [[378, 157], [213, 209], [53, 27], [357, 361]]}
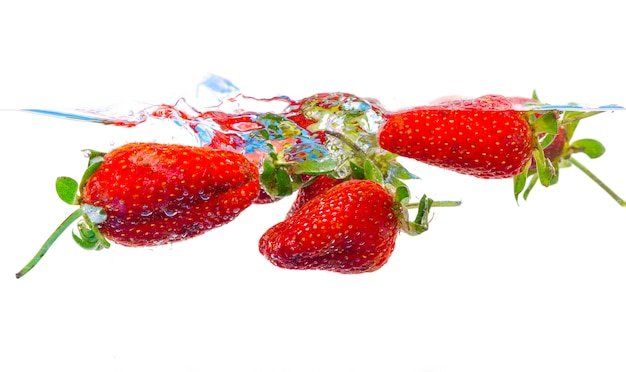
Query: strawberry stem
{"points": [[347, 141], [436, 203], [42, 251], [606, 188]]}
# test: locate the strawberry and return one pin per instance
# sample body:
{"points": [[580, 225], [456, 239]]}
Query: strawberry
{"points": [[483, 137], [351, 228], [155, 194], [147, 194], [318, 186]]}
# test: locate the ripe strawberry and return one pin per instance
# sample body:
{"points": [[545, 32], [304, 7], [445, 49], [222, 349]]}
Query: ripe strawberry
{"points": [[319, 185], [351, 228], [147, 194], [155, 194], [484, 137]]}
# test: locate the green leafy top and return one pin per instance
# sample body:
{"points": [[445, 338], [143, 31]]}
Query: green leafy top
{"points": [[554, 147], [346, 126], [88, 216]]}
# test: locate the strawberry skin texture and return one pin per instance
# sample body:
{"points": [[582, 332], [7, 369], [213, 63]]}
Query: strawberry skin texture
{"points": [[349, 229], [485, 137], [155, 194], [319, 186]]}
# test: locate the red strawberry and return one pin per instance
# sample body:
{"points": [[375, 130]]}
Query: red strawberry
{"points": [[320, 185], [484, 137], [155, 194], [351, 228]]}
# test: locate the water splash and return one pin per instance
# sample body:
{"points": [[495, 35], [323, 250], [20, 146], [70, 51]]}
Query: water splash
{"points": [[296, 131], [293, 130]]}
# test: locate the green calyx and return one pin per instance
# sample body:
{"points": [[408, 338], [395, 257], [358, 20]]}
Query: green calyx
{"points": [[546, 126], [88, 216], [346, 128]]}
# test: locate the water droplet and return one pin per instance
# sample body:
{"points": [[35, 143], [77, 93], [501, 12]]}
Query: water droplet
{"points": [[170, 213]]}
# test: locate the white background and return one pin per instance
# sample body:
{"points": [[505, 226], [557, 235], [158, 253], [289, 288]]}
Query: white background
{"points": [[493, 286]]}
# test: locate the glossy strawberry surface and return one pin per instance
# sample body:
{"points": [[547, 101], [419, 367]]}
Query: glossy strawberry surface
{"points": [[318, 186], [155, 194], [351, 228], [484, 137]]}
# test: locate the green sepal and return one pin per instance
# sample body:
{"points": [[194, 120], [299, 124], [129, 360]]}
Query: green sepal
{"points": [[283, 184], [94, 156], [397, 170], [268, 176], [545, 170], [420, 223], [93, 167], [89, 237], [275, 180], [322, 166], [547, 140], [401, 194], [357, 171], [67, 190], [372, 172], [519, 182], [531, 185], [546, 123], [422, 212], [590, 147]]}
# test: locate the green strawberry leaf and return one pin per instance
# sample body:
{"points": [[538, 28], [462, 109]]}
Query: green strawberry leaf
{"points": [[519, 182], [94, 156], [67, 190], [283, 184], [402, 193], [275, 180], [590, 147], [546, 123], [397, 170], [531, 185], [268, 177], [94, 164], [89, 237], [545, 169], [322, 166], [372, 172], [357, 171], [420, 223], [547, 140]]}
